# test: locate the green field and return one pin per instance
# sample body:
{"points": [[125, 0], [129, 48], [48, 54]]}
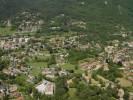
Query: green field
{"points": [[72, 94], [6, 31], [37, 67], [69, 66], [124, 82]]}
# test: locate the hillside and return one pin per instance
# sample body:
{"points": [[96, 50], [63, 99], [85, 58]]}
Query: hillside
{"points": [[99, 15], [66, 50]]}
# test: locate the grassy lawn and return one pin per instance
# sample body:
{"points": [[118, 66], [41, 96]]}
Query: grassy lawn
{"points": [[94, 82], [102, 78], [37, 67], [124, 82], [79, 71], [72, 94], [6, 31], [68, 66], [44, 57]]}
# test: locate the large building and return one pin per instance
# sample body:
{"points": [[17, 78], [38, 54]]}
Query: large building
{"points": [[46, 87]]}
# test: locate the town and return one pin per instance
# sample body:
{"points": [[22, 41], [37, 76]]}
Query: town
{"points": [[33, 66], [66, 49]]}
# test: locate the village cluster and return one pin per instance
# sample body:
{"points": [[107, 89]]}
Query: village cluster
{"points": [[25, 53]]}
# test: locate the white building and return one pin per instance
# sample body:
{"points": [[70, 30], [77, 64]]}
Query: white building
{"points": [[46, 87]]}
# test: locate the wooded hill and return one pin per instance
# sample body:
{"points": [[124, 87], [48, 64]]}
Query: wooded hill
{"points": [[99, 15]]}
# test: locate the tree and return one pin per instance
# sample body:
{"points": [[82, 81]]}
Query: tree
{"points": [[89, 92], [52, 60], [3, 63], [61, 86]]}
